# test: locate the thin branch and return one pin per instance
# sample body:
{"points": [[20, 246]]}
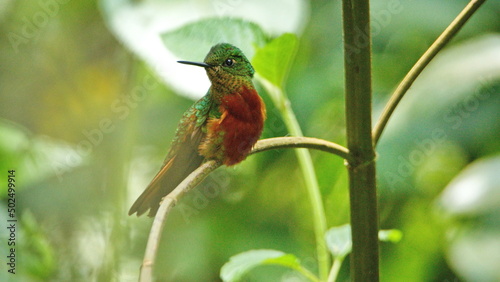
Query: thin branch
{"points": [[415, 71], [202, 172], [301, 142]]}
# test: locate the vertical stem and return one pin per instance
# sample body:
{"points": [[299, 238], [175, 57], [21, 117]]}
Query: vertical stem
{"points": [[362, 184], [319, 218], [306, 165], [334, 272]]}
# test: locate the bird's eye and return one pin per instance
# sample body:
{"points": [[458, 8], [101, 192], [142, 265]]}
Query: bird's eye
{"points": [[229, 62]]}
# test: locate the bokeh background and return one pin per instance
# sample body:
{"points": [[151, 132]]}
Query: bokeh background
{"points": [[87, 115]]}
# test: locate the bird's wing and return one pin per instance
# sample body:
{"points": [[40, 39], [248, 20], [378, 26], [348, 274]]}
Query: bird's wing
{"points": [[182, 159]]}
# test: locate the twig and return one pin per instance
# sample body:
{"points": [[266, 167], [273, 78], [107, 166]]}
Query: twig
{"points": [[166, 205], [415, 71], [301, 142]]}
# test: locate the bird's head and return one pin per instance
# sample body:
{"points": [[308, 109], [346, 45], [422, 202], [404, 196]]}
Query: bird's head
{"points": [[225, 61]]}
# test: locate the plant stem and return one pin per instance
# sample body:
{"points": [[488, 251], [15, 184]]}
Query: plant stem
{"points": [[419, 66], [334, 272], [315, 198], [307, 274], [306, 165], [362, 183]]}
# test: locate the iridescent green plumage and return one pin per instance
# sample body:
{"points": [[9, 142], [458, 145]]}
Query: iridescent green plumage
{"points": [[223, 125]]}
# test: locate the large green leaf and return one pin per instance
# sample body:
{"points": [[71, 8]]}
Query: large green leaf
{"points": [[205, 33], [475, 191], [272, 62]]}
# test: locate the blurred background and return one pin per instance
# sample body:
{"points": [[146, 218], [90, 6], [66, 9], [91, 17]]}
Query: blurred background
{"points": [[90, 99]]}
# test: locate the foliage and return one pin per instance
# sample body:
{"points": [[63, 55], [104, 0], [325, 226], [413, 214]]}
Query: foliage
{"points": [[86, 131]]}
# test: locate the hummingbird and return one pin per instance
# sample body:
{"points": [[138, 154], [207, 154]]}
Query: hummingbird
{"points": [[223, 125]]}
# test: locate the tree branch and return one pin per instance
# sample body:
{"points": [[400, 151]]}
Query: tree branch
{"points": [[419, 66], [301, 142]]}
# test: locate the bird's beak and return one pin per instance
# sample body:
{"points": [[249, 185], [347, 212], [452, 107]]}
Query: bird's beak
{"points": [[205, 65]]}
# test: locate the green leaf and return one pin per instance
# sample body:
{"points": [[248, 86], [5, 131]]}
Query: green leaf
{"points": [[193, 40], [287, 260], [273, 61], [391, 235], [242, 263], [338, 240]]}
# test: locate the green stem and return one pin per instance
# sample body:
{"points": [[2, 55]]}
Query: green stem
{"points": [[419, 66], [319, 217], [334, 272], [361, 168], [307, 274], [306, 165]]}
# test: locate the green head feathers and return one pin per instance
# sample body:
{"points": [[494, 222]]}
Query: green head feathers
{"points": [[225, 59]]}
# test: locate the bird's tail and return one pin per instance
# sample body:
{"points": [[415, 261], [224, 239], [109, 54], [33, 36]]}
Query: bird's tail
{"points": [[171, 174]]}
